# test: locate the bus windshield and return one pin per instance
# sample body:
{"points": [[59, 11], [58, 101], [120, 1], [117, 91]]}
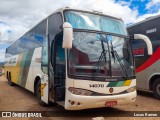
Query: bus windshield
{"points": [[86, 56], [90, 21]]}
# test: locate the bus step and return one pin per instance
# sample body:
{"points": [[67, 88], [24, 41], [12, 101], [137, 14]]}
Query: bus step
{"points": [[61, 103]]}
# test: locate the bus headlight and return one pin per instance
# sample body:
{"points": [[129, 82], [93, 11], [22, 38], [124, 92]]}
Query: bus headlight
{"points": [[78, 91], [132, 89]]}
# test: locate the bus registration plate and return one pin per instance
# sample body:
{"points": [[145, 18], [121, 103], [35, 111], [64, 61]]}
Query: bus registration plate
{"points": [[111, 103]]}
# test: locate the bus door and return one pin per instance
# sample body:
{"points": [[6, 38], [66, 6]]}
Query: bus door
{"points": [[44, 67], [59, 69]]}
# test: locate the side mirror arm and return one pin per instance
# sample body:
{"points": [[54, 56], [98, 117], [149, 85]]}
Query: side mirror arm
{"points": [[146, 40]]}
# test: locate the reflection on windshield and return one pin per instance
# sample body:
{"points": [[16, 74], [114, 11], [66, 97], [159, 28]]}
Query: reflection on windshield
{"points": [[89, 45], [87, 49], [81, 20]]}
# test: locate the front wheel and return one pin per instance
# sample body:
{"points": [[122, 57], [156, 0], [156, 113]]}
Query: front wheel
{"points": [[38, 94], [156, 88]]}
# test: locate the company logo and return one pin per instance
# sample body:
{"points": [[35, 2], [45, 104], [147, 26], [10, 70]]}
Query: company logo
{"points": [[111, 90]]}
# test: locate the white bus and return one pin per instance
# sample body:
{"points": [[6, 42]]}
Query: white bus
{"points": [[75, 58]]}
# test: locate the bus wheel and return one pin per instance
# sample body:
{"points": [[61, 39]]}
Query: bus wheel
{"points": [[7, 75], [38, 94], [10, 80], [156, 88]]}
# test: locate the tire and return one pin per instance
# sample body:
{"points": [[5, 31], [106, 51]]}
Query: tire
{"points": [[7, 76], [156, 88], [10, 80], [38, 94]]}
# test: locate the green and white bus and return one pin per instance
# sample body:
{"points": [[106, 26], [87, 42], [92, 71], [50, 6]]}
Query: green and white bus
{"points": [[75, 58]]}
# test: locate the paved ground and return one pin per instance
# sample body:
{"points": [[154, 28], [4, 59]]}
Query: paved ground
{"points": [[18, 99]]}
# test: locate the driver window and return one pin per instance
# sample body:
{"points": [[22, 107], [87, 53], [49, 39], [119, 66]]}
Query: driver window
{"points": [[60, 57]]}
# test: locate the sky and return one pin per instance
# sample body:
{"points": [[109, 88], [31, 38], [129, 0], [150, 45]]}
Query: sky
{"points": [[18, 16]]}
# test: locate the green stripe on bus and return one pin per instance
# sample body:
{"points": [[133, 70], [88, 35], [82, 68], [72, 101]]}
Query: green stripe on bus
{"points": [[24, 55], [112, 84], [120, 83], [26, 67]]}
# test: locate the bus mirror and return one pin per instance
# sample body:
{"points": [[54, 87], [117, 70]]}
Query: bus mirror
{"points": [[146, 40], [67, 35]]}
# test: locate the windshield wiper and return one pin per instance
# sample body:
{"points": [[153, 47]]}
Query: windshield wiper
{"points": [[101, 58], [115, 54]]}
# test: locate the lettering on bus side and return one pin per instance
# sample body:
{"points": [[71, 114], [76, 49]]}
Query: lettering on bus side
{"points": [[96, 85], [151, 31], [38, 59]]}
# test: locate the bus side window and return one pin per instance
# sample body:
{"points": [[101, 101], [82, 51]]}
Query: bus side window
{"points": [[22, 44]]}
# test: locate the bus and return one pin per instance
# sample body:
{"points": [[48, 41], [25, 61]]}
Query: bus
{"points": [[147, 67], [78, 59]]}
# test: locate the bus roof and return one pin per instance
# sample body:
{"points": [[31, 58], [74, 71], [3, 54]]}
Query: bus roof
{"points": [[146, 20], [84, 10], [63, 9]]}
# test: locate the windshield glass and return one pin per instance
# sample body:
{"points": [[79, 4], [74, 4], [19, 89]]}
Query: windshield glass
{"points": [[84, 57], [90, 21]]}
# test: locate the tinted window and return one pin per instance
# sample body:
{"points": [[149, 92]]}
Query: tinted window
{"points": [[30, 41], [38, 41], [14, 49], [149, 28], [22, 44], [92, 21], [36, 36], [60, 56], [11, 50], [7, 53], [138, 42], [54, 24], [40, 33]]}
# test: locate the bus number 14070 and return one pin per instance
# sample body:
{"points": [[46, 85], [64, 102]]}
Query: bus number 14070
{"points": [[96, 85]]}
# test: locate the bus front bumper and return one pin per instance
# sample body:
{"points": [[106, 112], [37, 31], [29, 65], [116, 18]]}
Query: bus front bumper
{"points": [[77, 102]]}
